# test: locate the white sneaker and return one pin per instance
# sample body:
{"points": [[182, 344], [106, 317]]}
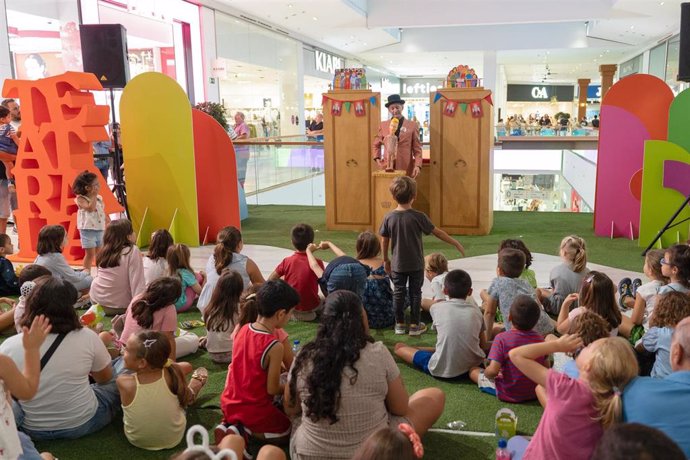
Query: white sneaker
{"points": [[400, 329]]}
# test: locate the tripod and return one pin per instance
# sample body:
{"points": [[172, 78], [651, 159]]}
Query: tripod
{"points": [[118, 177], [669, 225]]}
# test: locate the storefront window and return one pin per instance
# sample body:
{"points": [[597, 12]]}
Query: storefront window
{"points": [[657, 61], [672, 64], [630, 67], [44, 38], [260, 77]]}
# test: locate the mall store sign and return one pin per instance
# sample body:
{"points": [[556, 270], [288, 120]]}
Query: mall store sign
{"points": [[540, 92], [420, 87], [327, 62]]}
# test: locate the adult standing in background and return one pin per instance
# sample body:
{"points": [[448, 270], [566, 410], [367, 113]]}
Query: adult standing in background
{"points": [[315, 129], [241, 151], [409, 156], [7, 188], [241, 128]]}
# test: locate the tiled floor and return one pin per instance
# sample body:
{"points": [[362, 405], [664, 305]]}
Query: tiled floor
{"points": [[482, 269]]}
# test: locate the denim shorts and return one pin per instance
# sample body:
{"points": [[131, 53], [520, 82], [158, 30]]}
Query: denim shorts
{"points": [[91, 238]]}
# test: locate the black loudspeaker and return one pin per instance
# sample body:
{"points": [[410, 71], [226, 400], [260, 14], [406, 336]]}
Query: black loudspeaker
{"points": [[104, 53], [684, 51]]}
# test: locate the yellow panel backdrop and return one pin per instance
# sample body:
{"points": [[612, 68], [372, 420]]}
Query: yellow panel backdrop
{"points": [[158, 146]]}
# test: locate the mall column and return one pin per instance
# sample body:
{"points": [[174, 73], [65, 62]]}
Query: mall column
{"points": [[583, 84], [607, 72]]}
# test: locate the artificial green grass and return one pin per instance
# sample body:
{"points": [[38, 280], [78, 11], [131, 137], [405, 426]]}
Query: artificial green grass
{"points": [[541, 231], [463, 402], [270, 225]]}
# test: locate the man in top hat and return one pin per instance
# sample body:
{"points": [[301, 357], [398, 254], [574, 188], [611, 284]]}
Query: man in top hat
{"points": [[409, 156]]}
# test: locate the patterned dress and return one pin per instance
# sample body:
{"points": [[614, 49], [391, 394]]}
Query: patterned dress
{"points": [[378, 300]]}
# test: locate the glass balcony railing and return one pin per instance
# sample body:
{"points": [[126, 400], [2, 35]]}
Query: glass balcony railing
{"points": [[285, 170]]}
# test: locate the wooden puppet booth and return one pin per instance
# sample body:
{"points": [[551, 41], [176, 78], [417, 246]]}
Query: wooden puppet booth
{"points": [[455, 184]]}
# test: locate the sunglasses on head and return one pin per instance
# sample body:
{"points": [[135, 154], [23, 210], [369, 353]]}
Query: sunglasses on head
{"points": [[663, 261]]}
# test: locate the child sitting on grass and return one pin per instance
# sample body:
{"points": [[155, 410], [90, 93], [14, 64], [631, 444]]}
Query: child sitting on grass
{"points": [[501, 375], [9, 284], [435, 270], [26, 277], [567, 277], [676, 267], [249, 313], [221, 316], [155, 262], [155, 395], [527, 273], [179, 266], [503, 290], [296, 271], [460, 342], [22, 385], [671, 308], [253, 378], [597, 294], [642, 301], [578, 410]]}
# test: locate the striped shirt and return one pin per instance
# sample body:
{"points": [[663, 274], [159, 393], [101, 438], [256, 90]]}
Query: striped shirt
{"points": [[512, 385]]}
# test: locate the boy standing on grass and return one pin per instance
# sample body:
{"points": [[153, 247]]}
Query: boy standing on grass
{"points": [[461, 340], [402, 230]]}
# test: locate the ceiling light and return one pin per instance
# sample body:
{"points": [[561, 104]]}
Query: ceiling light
{"points": [[632, 27], [315, 18], [289, 5], [661, 3]]}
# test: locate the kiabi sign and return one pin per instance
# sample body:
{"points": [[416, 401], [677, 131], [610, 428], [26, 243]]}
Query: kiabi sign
{"points": [[327, 62]]}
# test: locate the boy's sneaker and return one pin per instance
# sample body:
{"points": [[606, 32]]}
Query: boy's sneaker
{"points": [[239, 430], [400, 329], [637, 282], [416, 330], [219, 432], [624, 290]]}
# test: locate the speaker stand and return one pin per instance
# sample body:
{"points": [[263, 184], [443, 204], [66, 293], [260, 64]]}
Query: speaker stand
{"points": [[669, 225], [118, 187]]}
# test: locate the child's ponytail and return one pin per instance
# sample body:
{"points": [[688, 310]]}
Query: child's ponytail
{"points": [[611, 367], [155, 348], [576, 251], [179, 386], [249, 308], [227, 242]]}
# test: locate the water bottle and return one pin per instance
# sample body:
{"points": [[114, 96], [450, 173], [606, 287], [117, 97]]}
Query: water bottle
{"points": [[295, 347], [502, 452]]}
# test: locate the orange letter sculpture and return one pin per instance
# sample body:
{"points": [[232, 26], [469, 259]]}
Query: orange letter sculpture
{"points": [[60, 120]]}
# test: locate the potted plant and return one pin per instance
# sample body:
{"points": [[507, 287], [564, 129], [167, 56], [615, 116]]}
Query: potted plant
{"points": [[216, 110]]}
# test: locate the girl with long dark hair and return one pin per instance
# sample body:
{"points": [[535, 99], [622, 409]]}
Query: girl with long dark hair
{"points": [[347, 386]]}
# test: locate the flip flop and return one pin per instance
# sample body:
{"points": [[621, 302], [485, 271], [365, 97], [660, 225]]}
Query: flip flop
{"points": [[192, 323], [201, 375]]}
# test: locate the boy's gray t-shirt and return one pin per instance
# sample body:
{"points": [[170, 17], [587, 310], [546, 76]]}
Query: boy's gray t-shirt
{"points": [[458, 324], [504, 290], [405, 229]]}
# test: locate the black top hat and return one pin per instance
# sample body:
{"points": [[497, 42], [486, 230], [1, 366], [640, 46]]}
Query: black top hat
{"points": [[394, 99]]}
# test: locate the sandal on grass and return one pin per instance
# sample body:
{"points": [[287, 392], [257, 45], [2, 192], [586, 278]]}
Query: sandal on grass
{"points": [[198, 382], [191, 324]]}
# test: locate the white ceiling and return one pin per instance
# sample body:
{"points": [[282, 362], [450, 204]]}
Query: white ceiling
{"points": [[428, 37]]}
